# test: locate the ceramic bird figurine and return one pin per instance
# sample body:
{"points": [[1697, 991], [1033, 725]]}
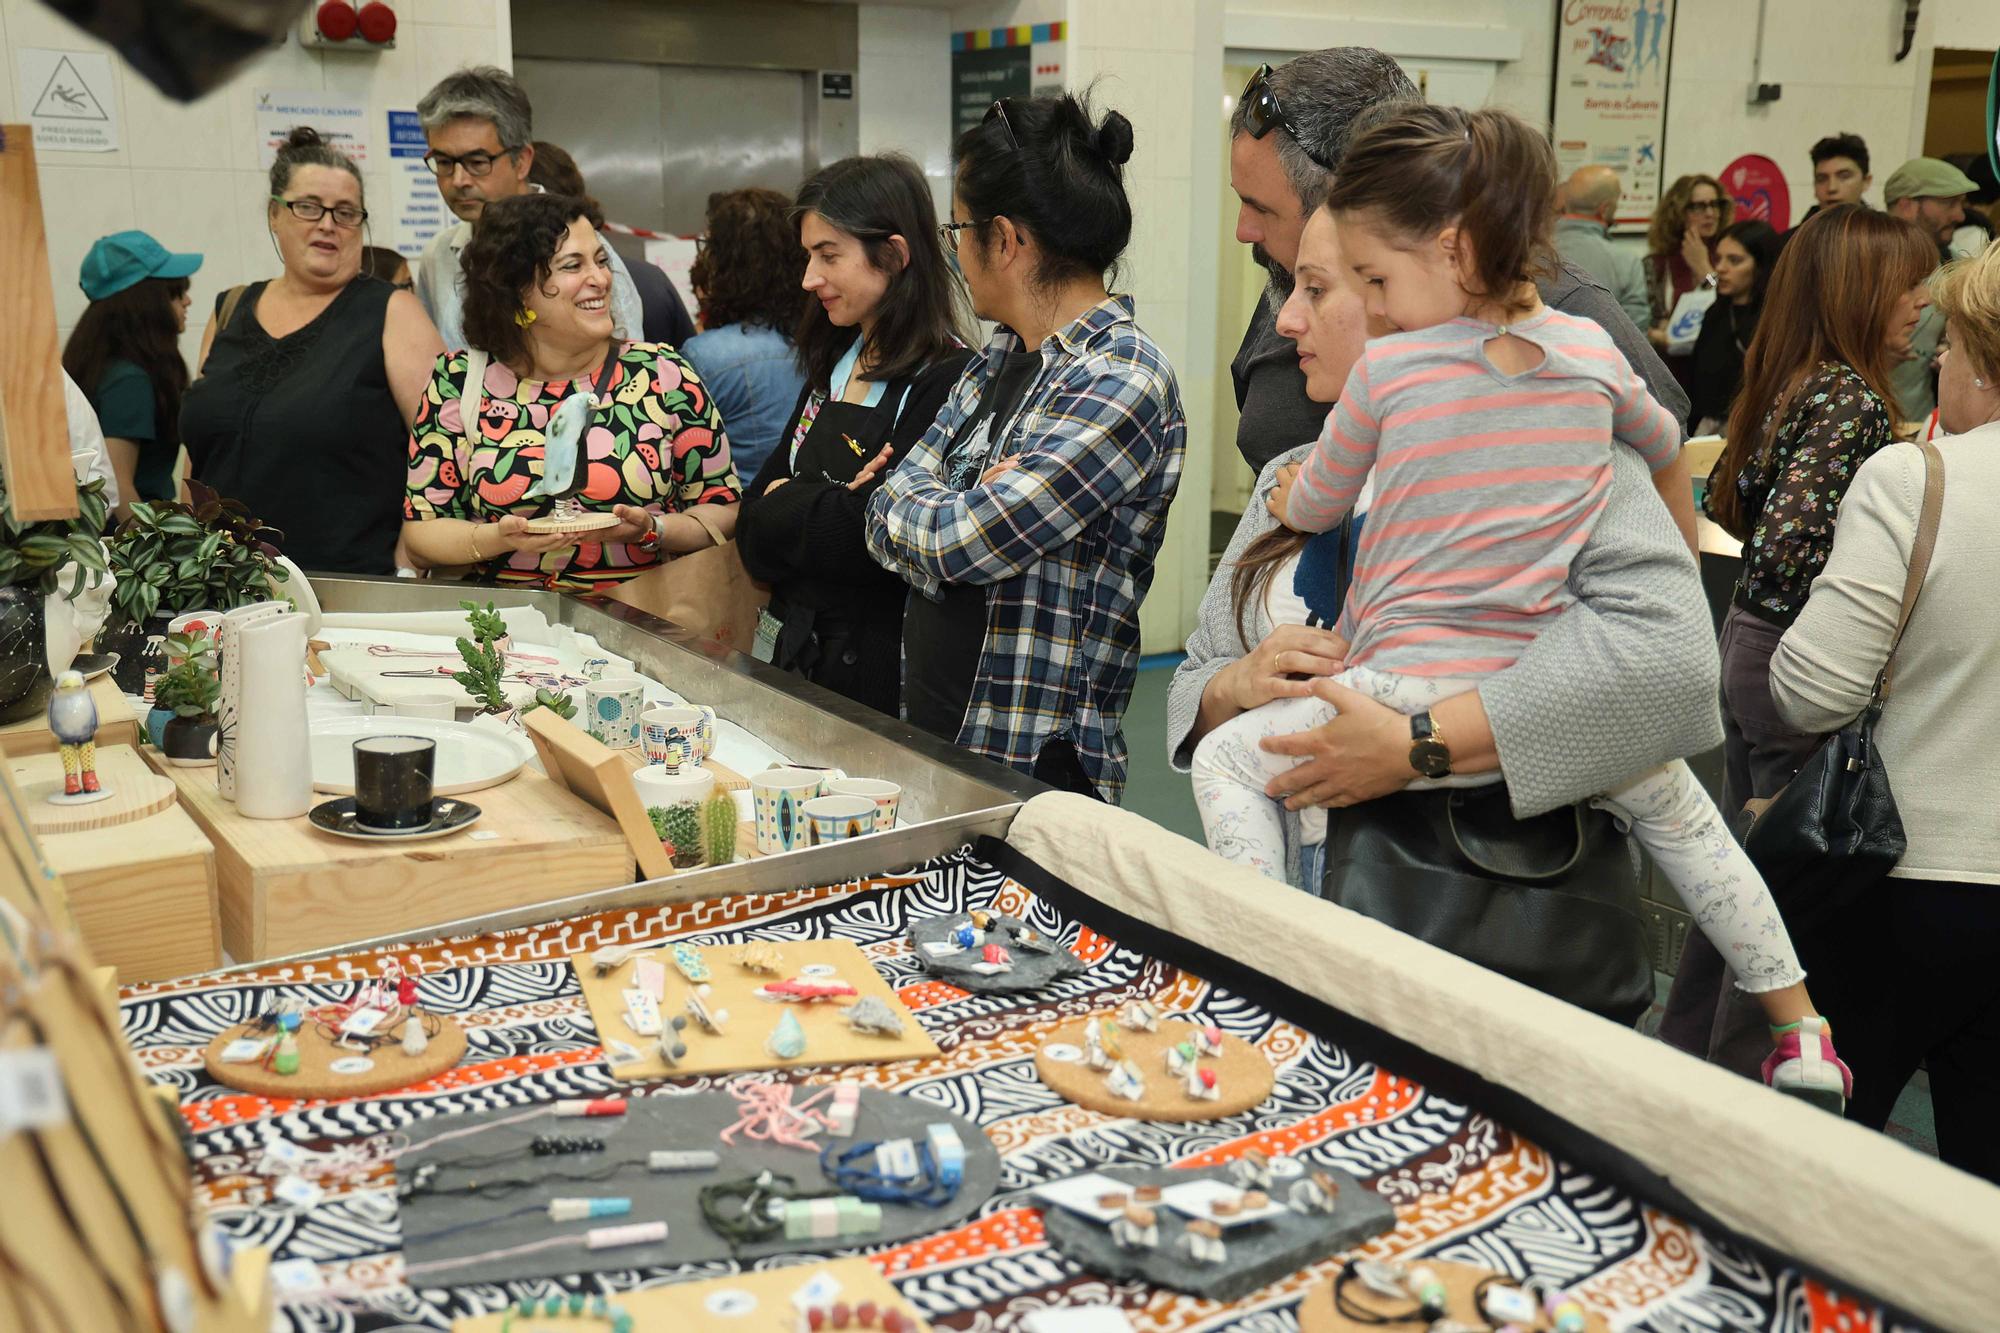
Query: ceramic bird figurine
{"points": [[563, 473], [73, 722]]}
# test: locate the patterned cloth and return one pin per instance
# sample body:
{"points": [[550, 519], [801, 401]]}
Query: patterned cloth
{"points": [[1465, 1186], [1836, 423], [1067, 539], [660, 446]]}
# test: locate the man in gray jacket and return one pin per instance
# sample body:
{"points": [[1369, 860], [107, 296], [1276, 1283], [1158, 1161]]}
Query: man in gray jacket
{"points": [[1289, 131]]}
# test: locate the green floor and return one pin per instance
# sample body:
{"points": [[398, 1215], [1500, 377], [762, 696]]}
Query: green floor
{"points": [[1161, 794]]}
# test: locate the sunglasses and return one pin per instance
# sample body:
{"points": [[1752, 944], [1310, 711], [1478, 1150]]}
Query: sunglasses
{"points": [[999, 109], [1262, 113]]}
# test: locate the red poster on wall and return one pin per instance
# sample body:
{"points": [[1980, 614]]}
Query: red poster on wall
{"points": [[1759, 189]]}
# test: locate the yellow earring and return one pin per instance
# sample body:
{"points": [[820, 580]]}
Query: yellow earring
{"points": [[524, 318]]}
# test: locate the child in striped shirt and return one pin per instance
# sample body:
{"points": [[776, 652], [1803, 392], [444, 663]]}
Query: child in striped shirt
{"points": [[1485, 425]]}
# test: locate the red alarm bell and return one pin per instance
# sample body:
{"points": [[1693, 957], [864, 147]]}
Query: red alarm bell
{"points": [[378, 23], [336, 20]]}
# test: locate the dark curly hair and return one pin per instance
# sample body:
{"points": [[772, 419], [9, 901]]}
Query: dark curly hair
{"points": [[139, 325], [513, 246], [749, 269]]}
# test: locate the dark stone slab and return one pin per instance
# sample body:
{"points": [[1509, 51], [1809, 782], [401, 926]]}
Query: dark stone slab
{"points": [[683, 1120], [1035, 966], [1259, 1253]]}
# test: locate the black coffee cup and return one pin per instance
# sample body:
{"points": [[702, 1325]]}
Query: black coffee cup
{"points": [[392, 782]]}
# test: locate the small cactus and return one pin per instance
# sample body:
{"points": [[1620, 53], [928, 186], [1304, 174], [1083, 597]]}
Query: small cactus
{"points": [[679, 829], [718, 829]]}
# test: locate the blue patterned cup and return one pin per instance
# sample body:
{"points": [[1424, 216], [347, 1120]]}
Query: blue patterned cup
{"points": [[611, 710], [778, 797], [837, 818]]}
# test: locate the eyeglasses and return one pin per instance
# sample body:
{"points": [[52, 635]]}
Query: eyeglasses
{"points": [[312, 210], [1704, 206], [999, 108], [1262, 114], [476, 164], [948, 233]]}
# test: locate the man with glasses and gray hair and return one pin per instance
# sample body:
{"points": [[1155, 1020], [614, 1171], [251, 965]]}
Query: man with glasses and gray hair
{"points": [[481, 131], [1288, 132]]}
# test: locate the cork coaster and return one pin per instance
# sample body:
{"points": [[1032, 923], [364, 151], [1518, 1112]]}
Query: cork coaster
{"points": [[1317, 1313], [580, 523], [1244, 1077], [316, 1080]]}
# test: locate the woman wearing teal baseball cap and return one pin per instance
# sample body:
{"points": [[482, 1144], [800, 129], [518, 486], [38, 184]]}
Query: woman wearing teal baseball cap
{"points": [[125, 355]]}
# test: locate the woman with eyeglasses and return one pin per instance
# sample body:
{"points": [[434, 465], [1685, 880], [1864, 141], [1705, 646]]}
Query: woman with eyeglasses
{"points": [[878, 341], [1680, 255], [309, 381], [1027, 519]]}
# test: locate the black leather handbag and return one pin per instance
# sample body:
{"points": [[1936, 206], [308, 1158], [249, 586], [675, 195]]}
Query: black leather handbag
{"points": [[1551, 901], [1834, 831]]}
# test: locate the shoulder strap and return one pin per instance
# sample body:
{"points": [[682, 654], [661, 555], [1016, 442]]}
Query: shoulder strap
{"points": [[230, 300], [471, 398], [1920, 556]]}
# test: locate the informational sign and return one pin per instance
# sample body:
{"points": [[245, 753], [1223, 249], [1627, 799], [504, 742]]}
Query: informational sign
{"points": [[1758, 186], [837, 85], [341, 121], [1609, 104], [71, 100], [417, 210], [988, 64]]}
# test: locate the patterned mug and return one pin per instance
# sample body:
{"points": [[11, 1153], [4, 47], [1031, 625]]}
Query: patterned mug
{"points": [[672, 736], [777, 796], [838, 818], [886, 796], [611, 710]]}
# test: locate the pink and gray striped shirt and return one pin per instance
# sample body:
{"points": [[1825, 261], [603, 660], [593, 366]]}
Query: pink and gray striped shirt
{"points": [[1486, 486]]}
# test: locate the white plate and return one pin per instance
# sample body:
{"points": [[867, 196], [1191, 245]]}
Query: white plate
{"points": [[469, 758]]}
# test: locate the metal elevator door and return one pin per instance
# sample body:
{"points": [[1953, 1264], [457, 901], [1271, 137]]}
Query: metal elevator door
{"points": [[654, 141]]}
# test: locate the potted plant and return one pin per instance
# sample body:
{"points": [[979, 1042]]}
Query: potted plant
{"points": [[187, 693], [485, 658], [32, 558], [171, 557]]}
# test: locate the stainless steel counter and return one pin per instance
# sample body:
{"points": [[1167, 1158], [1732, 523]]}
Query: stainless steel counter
{"points": [[949, 796]]}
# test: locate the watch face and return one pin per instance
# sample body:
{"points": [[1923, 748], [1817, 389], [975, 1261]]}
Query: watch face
{"points": [[1430, 758]]}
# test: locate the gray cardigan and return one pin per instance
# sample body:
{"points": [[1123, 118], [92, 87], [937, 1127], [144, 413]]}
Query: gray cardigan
{"points": [[1623, 681], [1940, 729]]}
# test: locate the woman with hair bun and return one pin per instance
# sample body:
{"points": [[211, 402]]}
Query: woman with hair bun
{"points": [[309, 382], [1028, 518]]}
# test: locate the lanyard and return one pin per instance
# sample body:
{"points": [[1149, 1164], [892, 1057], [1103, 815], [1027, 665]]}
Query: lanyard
{"points": [[843, 371]]}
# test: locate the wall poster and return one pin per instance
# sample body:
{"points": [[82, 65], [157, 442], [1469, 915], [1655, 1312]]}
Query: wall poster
{"points": [[1609, 103], [988, 64]]}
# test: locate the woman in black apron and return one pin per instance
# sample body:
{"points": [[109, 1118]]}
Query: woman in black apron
{"points": [[881, 351]]}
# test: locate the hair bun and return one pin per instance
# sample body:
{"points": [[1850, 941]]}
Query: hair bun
{"points": [[1113, 139], [303, 136]]}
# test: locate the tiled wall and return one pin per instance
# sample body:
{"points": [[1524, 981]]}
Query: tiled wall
{"points": [[903, 89], [189, 174]]}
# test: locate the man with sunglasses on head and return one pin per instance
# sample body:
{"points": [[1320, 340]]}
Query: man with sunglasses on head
{"points": [[480, 127], [1290, 128]]}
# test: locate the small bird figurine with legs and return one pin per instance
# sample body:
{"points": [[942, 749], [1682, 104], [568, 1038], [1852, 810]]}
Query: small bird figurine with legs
{"points": [[73, 721]]}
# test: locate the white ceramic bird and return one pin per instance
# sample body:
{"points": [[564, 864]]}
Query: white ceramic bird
{"points": [[73, 722]]}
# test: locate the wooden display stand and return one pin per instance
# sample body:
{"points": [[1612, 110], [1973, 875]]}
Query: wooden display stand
{"points": [[142, 892], [740, 1046], [114, 1165], [739, 1303], [116, 724], [284, 887]]}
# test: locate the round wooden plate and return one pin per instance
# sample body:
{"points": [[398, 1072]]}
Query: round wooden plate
{"points": [[1318, 1315], [581, 523], [316, 1080], [1243, 1076], [136, 791]]}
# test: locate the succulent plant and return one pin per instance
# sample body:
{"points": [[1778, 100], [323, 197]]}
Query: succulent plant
{"points": [[484, 662], [556, 701], [718, 829]]}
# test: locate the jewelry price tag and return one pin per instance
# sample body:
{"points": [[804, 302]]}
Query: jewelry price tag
{"points": [[297, 1191], [31, 1090], [296, 1277], [820, 1290], [362, 1023]]}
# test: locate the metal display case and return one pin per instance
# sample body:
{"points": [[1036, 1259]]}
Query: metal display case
{"points": [[949, 796]]}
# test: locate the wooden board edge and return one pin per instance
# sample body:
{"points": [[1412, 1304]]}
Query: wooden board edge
{"points": [[585, 766]]}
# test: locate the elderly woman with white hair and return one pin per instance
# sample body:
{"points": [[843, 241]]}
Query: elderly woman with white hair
{"points": [[1918, 982]]}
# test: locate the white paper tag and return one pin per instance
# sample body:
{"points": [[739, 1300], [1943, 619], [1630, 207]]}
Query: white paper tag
{"points": [[296, 1277], [1062, 1051], [351, 1064], [897, 1159], [818, 971], [243, 1051], [363, 1022], [31, 1090], [821, 1290], [297, 1191], [941, 948], [730, 1303], [281, 1151]]}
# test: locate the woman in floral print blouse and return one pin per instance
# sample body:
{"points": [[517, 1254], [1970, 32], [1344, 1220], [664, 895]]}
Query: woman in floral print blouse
{"points": [[1816, 403], [652, 451]]}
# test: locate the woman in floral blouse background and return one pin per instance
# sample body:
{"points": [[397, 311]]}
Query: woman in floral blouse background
{"points": [[653, 451], [1816, 403]]}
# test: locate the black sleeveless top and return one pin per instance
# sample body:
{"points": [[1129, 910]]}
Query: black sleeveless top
{"points": [[304, 431]]}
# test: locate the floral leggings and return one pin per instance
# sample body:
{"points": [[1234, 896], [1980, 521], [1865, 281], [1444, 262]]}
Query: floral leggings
{"points": [[1665, 808]]}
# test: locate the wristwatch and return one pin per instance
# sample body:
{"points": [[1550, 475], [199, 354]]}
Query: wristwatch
{"points": [[1429, 755]]}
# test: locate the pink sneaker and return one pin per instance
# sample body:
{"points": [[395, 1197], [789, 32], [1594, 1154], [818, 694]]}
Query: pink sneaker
{"points": [[1803, 1064]]}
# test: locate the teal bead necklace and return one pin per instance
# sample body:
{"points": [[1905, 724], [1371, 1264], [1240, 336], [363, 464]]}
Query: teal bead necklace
{"points": [[574, 1305]]}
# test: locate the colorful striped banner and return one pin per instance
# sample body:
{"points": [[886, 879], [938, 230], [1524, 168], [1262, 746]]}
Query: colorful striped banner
{"points": [[1021, 34]]}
